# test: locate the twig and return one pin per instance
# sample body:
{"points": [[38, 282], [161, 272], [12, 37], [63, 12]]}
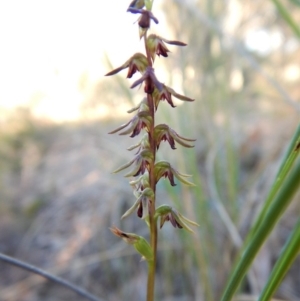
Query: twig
{"points": [[48, 276]]}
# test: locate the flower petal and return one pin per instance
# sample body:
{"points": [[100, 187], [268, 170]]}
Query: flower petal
{"points": [[179, 96], [124, 166]]}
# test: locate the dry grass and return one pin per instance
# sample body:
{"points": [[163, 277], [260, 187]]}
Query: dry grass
{"points": [[61, 199]]}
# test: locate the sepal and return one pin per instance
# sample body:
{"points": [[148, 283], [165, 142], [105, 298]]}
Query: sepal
{"points": [[142, 161], [141, 120], [142, 106], [143, 144]]}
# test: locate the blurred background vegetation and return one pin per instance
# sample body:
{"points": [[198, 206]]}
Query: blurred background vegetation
{"points": [[58, 197]]}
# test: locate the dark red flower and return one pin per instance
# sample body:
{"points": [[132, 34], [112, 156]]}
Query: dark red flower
{"points": [[136, 124], [167, 213], [142, 162], [163, 132], [165, 93], [138, 62], [156, 45], [164, 169]]}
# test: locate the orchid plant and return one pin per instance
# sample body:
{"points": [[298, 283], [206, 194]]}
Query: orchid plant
{"points": [[145, 170]]}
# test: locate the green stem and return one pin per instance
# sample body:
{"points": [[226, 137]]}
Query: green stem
{"points": [[152, 264], [152, 221]]}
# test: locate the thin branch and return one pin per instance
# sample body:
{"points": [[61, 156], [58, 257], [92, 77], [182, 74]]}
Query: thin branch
{"points": [[48, 276]]}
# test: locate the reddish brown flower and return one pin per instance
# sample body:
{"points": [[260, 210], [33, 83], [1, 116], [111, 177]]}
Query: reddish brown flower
{"points": [[141, 204], [136, 124], [164, 169], [138, 62], [144, 19], [142, 162], [163, 132], [151, 82], [157, 46], [165, 93], [167, 213]]}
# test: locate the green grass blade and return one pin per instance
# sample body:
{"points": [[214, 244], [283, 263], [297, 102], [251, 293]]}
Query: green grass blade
{"points": [[285, 260], [287, 17], [284, 169], [278, 206]]}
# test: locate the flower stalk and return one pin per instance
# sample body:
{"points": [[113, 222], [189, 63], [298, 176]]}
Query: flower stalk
{"points": [[146, 172]]}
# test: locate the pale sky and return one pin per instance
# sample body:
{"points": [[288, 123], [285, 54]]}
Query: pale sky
{"points": [[48, 45]]}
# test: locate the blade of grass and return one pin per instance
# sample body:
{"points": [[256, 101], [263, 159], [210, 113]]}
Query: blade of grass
{"points": [[277, 208], [284, 169], [288, 255], [287, 17]]}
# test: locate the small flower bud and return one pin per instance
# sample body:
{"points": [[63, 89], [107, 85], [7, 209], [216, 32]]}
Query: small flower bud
{"points": [[139, 243], [144, 20]]}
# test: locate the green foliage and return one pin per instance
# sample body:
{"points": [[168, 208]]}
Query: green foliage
{"points": [[286, 185], [287, 257], [284, 12]]}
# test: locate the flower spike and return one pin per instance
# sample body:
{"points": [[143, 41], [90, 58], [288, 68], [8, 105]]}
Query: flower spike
{"points": [[144, 170]]}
